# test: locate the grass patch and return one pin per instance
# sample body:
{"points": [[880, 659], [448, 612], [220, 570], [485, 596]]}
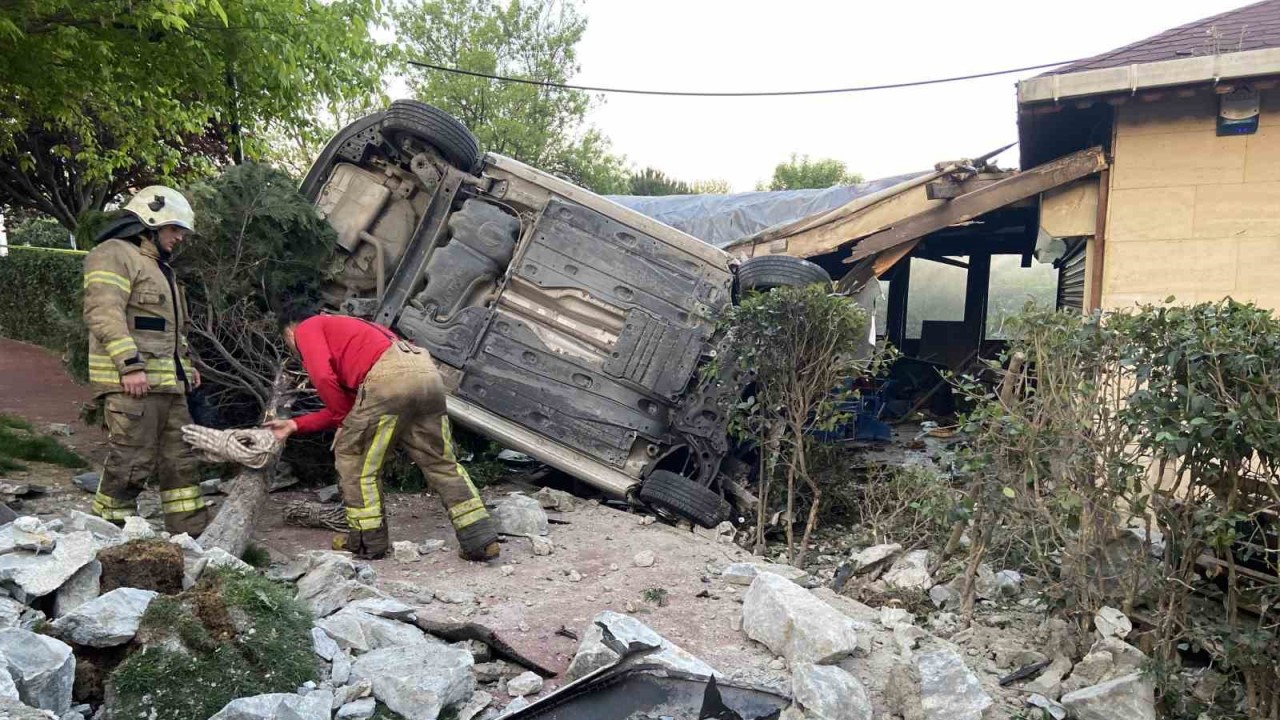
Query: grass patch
{"points": [[19, 441], [232, 635]]}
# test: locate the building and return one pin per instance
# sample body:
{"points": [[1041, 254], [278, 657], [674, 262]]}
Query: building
{"points": [[1189, 206]]}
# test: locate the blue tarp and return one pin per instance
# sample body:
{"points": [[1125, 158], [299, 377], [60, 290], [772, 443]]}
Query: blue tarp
{"points": [[721, 219]]}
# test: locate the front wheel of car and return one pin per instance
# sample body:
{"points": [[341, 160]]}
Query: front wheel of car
{"points": [[410, 119], [681, 496], [762, 274]]}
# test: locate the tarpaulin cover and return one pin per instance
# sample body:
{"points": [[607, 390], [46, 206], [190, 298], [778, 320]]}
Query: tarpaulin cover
{"points": [[721, 219]]}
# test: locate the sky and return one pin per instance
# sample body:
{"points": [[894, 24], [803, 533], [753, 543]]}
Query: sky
{"points": [[720, 45]]}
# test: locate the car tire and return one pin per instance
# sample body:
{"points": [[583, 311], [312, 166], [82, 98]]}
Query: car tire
{"points": [[761, 274], [678, 494], [437, 128]]}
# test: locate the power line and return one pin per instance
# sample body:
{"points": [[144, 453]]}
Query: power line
{"points": [[768, 93]]}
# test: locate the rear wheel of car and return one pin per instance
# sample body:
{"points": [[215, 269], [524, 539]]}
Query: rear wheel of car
{"points": [[678, 494], [761, 274], [431, 125]]}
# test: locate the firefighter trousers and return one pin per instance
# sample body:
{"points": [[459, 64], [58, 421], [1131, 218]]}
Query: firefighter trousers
{"points": [[402, 403], [144, 438]]}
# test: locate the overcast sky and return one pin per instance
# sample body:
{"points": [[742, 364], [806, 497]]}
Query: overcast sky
{"points": [[728, 45]]}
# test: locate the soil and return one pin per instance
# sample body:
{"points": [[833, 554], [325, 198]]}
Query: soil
{"points": [[145, 564]]}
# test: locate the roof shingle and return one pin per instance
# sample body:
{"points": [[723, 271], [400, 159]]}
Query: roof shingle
{"points": [[1252, 27]]}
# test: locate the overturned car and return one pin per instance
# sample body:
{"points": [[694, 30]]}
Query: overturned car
{"points": [[566, 326]]}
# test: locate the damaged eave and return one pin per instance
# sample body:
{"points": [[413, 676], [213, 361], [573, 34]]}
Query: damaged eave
{"points": [[826, 232], [974, 204]]}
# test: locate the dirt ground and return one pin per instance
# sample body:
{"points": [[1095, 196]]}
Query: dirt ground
{"points": [[537, 598]]}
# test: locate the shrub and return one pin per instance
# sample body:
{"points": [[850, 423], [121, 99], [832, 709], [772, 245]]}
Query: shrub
{"points": [[41, 302]]}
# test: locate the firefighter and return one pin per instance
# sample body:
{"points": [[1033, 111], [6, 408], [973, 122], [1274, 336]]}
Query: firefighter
{"points": [[379, 392], [139, 360]]}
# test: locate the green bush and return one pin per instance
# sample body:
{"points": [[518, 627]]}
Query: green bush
{"points": [[41, 293]]}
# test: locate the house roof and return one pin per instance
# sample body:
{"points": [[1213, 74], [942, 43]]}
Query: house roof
{"points": [[1252, 27]]}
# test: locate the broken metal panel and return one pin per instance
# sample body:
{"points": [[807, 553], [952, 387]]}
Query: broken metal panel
{"points": [[975, 204]]}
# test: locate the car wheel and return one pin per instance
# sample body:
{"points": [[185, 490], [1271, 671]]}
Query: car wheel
{"points": [[761, 274], [679, 495], [442, 131]]}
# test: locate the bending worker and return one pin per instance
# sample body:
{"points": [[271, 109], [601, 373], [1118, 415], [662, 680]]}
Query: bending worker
{"points": [[140, 362], [378, 391]]}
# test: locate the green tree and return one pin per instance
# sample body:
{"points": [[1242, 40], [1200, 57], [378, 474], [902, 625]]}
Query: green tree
{"points": [[40, 232], [531, 39], [800, 172], [651, 181], [98, 98]]}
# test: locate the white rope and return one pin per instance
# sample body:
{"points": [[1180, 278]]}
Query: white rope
{"points": [[253, 448]]}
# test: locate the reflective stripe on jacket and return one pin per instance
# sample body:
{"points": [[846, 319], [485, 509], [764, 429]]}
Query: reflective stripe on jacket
{"points": [[136, 318]]}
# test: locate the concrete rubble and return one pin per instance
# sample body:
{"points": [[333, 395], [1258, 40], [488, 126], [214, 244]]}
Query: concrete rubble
{"points": [[829, 692], [793, 623], [613, 636], [519, 515], [745, 573], [420, 681], [278, 706], [42, 668], [910, 572], [107, 620], [1128, 697]]}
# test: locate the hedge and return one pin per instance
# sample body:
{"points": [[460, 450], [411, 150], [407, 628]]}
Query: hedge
{"points": [[40, 299]]}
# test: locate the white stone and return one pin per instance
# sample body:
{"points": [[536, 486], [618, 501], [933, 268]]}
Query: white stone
{"points": [[324, 645], [429, 546], [385, 607], [745, 573], [1009, 582], [910, 572], [351, 693], [8, 690], [1055, 711], [476, 705], [455, 597], [645, 558], [39, 575], [552, 499], [217, 557], [11, 709], [107, 620], [326, 586], [948, 689], [865, 560], [529, 683], [340, 672], [404, 551], [42, 668], [941, 596], [829, 692], [27, 533], [520, 515], [418, 682], [279, 706], [1128, 697], [137, 528], [542, 546], [82, 587], [361, 632], [1110, 622], [793, 623], [361, 709], [514, 706], [892, 617]]}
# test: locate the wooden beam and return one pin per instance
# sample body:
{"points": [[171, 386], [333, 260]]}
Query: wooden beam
{"points": [[1097, 247], [982, 201]]}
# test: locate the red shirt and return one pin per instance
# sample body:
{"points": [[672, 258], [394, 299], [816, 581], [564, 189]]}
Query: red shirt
{"points": [[337, 353]]}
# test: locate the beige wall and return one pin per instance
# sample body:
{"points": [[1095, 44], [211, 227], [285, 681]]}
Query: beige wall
{"points": [[1191, 214]]}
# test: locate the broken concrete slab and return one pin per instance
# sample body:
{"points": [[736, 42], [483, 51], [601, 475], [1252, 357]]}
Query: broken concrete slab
{"points": [[38, 575], [420, 681], [910, 572], [948, 688], [1128, 697], [361, 632], [829, 692], [42, 668], [613, 636], [519, 515], [745, 573], [279, 706], [82, 587], [793, 623], [107, 620]]}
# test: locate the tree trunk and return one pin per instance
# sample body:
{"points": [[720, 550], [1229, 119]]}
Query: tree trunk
{"points": [[233, 527]]}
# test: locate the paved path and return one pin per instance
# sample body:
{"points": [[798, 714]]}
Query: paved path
{"points": [[34, 385]]}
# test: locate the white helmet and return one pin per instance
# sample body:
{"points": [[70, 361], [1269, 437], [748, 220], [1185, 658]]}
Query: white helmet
{"points": [[157, 206]]}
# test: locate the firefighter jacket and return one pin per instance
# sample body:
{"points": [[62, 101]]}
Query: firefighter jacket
{"points": [[137, 318]]}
